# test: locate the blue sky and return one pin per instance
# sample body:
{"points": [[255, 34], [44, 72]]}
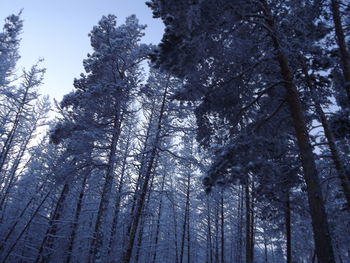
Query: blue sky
{"points": [[57, 30]]}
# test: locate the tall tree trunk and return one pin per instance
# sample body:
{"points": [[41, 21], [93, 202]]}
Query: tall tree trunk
{"points": [[143, 219], [323, 241], [119, 196], [14, 244], [265, 246], [97, 242], [48, 241], [336, 156], [175, 225], [140, 199], [186, 221], [240, 225], [222, 217], [158, 221], [8, 144], [74, 228], [287, 220], [209, 237], [252, 224], [188, 235], [17, 162], [217, 231], [344, 54], [248, 236]]}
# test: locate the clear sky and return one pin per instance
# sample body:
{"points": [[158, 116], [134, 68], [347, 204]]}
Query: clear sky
{"points": [[57, 30]]}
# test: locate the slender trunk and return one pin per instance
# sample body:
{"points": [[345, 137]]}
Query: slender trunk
{"points": [[96, 245], [118, 197], [209, 240], [217, 231], [222, 227], [16, 221], [188, 236], [9, 140], [143, 220], [175, 226], [323, 241], [336, 156], [48, 241], [74, 228], [252, 224], [265, 247], [185, 223], [139, 202], [158, 222], [25, 228], [240, 225], [248, 236], [287, 219], [344, 54], [13, 170]]}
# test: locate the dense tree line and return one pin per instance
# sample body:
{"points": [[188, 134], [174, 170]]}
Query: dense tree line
{"points": [[227, 142]]}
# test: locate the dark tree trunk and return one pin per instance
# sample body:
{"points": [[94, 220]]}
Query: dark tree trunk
{"points": [[323, 241], [248, 236], [44, 253], [158, 222], [336, 156], [74, 229], [344, 54], [96, 245], [287, 219], [222, 217], [141, 193]]}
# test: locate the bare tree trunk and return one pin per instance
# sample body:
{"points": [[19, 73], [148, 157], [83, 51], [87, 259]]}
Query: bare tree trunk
{"points": [[323, 241]]}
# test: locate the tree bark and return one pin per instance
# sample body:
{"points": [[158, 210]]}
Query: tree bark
{"points": [[323, 241], [344, 54]]}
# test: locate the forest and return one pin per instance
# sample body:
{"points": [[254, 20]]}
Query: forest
{"points": [[228, 142]]}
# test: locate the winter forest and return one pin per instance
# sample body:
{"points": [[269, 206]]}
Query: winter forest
{"points": [[228, 142]]}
